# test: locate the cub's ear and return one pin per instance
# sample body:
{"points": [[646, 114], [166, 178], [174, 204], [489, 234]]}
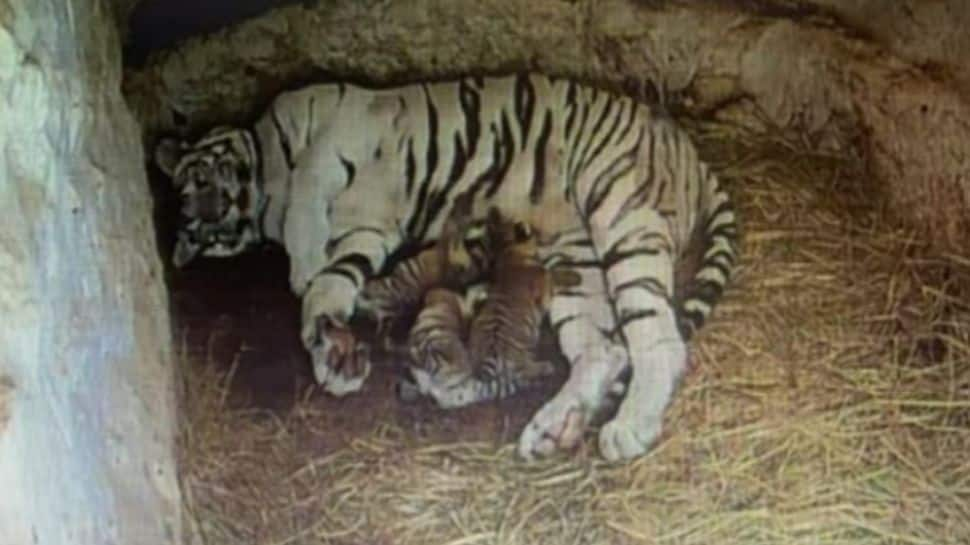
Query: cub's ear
{"points": [[168, 152], [565, 278], [462, 207], [523, 231]]}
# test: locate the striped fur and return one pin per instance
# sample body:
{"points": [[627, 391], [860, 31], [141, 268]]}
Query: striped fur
{"points": [[459, 258], [499, 357], [343, 176]]}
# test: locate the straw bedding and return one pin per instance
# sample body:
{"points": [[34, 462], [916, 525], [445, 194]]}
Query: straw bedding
{"points": [[827, 403]]}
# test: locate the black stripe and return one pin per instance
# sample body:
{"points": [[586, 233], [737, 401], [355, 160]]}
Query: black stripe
{"points": [[570, 118], [525, 101], [580, 131], [457, 169], [471, 108], [336, 241], [725, 254], [703, 181], [639, 197], [509, 144], [629, 155], [639, 235], [604, 183], [603, 141], [718, 266], [706, 290], [423, 212], [349, 168], [659, 195], [570, 185], [615, 258], [340, 272], [284, 139], [310, 122], [341, 90], [725, 206], [629, 122], [578, 243], [560, 323], [402, 107], [501, 159], [539, 163], [645, 283], [409, 168], [355, 261], [572, 293], [581, 162], [628, 317]]}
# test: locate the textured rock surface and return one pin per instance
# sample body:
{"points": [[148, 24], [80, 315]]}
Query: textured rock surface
{"points": [[86, 397], [929, 34], [825, 68]]}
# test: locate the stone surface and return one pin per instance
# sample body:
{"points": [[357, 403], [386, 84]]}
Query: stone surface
{"points": [[818, 68], [932, 35], [86, 367]]}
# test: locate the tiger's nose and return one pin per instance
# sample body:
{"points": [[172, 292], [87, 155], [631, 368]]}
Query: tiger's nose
{"points": [[211, 206]]}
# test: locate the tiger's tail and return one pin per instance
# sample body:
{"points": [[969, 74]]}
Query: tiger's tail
{"points": [[719, 238]]}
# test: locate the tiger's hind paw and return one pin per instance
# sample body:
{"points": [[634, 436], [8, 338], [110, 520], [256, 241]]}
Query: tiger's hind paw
{"points": [[622, 440]]}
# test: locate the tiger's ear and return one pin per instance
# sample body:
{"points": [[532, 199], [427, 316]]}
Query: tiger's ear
{"points": [[168, 152], [185, 251], [494, 216], [565, 278]]}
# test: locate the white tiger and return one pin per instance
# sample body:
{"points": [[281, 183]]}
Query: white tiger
{"points": [[343, 175]]}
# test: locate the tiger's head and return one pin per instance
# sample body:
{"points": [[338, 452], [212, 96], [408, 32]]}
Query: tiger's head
{"points": [[221, 195]]}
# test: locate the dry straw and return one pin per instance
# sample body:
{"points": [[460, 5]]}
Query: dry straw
{"points": [[828, 403]]}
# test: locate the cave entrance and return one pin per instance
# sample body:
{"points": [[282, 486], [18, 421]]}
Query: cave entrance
{"points": [[824, 398]]}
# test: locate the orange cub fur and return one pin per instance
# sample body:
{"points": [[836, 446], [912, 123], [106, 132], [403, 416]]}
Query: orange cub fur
{"points": [[481, 345]]}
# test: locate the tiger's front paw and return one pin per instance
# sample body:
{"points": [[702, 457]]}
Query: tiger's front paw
{"points": [[340, 363]]}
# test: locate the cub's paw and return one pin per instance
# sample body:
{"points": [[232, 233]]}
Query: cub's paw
{"points": [[340, 363], [622, 439], [558, 425]]}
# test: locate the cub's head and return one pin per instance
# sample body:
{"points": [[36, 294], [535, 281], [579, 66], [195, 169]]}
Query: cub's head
{"points": [[221, 196]]}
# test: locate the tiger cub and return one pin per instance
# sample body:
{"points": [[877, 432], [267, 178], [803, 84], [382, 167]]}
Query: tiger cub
{"points": [[460, 257], [479, 346]]}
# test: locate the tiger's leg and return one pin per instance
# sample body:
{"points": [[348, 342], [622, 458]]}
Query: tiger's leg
{"points": [[340, 363], [639, 268], [579, 318]]}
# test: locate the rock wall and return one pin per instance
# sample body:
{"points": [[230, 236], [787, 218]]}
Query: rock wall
{"points": [[821, 68], [86, 368]]}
